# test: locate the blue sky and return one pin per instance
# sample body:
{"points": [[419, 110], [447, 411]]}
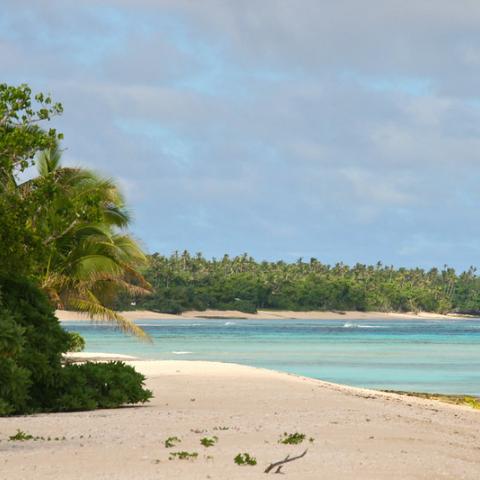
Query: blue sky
{"points": [[346, 131]]}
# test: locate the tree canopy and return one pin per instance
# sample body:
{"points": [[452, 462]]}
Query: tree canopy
{"points": [[183, 281], [62, 243], [65, 228], [22, 135]]}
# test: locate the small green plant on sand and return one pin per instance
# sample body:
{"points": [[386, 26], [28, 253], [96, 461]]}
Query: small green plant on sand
{"points": [[209, 441], [292, 438], [20, 436], [171, 442], [245, 459], [183, 455]]}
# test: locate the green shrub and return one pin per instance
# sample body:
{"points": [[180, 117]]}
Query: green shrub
{"points": [[32, 377], [76, 342], [208, 441], [20, 436], [183, 455], [14, 379], [43, 341], [245, 459], [100, 385], [292, 438], [171, 442]]}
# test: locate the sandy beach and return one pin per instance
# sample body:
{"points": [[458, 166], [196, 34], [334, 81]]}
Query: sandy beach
{"points": [[358, 434], [66, 316]]}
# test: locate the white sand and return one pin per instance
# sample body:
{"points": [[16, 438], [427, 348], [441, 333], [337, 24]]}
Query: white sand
{"points": [[66, 316], [359, 434]]}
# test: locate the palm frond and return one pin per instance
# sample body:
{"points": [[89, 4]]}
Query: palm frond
{"points": [[89, 263], [48, 161], [96, 311]]}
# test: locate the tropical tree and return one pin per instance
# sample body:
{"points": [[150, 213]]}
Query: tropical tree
{"points": [[22, 115], [88, 257]]}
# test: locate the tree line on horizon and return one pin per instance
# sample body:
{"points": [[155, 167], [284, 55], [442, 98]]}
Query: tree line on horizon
{"points": [[183, 281]]}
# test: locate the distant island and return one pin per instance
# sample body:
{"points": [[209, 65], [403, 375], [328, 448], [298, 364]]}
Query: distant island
{"points": [[183, 282]]}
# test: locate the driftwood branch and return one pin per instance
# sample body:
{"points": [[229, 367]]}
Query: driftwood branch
{"points": [[281, 463]]}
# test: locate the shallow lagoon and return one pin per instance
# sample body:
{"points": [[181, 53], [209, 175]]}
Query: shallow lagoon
{"points": [[441, 356]]}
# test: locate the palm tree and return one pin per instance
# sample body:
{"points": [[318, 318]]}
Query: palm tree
{"points": [[89, 257]]}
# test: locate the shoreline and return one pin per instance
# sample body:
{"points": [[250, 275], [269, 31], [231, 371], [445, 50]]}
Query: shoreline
{"points": [[356, 433], [153, 368], [67, 316], [157, 368]]}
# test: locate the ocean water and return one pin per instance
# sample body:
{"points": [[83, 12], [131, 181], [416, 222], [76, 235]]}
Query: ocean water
{"points": [[441, 356]]}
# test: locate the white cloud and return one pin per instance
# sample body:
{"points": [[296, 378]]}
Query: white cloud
{"points": [[339, 127]]}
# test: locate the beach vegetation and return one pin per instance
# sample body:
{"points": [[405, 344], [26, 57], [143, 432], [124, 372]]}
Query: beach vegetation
{"points": [[15, 379], [292, 438], [33, 377], [208, 441], [99, 385], [472, 402], [20, 436], [183, 455], [76, 343], [63, 243], [21, 133], [469, 401], [88, 258], [245, 459], [171, 442]]}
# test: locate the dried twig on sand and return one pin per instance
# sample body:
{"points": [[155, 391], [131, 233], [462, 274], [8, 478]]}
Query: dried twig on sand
{"points": [[280, 464]]}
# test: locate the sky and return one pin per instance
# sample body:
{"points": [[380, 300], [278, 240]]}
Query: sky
{"points": [[346, 131]]}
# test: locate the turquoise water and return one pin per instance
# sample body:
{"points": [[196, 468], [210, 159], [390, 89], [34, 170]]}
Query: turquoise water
{"points": [[429, 356]]}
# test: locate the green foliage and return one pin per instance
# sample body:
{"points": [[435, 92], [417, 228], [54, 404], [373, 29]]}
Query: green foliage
{"points": [[14, 379], [292, 438], [245, 459], [20, 247], [469, 401], [31, 374], [20, 436], [63, 232], [42, 342], [99, 385], [21, 137], [472, 402], [208, 441], [172, 442], [183, 455], [87, 257], [76, 342], [184, 282]]}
